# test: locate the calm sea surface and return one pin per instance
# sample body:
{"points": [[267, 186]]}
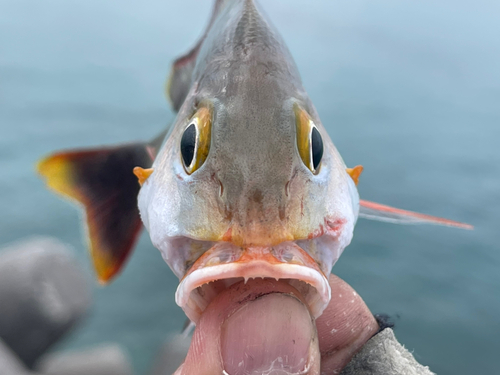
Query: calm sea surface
{"points": [[409, 89]]}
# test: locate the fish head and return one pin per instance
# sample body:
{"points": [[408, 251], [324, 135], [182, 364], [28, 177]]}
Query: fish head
{"points": [[248, 183], [255, 196]]}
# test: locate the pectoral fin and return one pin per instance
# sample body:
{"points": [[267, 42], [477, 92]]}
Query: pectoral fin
{"points": [[102, 180], [380, 212], [355, 173]]}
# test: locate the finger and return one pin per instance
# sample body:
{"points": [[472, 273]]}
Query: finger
{"points": [[344, 327], [252, 328]]}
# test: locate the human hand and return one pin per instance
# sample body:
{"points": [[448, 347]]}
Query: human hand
{"points": [[264, 327]]}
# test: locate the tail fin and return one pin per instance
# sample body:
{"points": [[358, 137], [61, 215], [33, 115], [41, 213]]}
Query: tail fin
{"points": [[102, 180], [380, 212]]}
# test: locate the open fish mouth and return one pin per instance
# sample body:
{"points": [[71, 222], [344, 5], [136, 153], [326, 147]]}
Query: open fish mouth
{"points": [[225, 264]]}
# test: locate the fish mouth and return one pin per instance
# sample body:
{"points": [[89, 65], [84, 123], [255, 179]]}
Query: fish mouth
{"points": [[225, 264]]}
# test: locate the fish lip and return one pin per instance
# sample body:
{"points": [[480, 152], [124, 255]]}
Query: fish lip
{"points": [[196, 290]]}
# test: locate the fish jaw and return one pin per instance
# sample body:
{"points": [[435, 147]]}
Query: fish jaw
{"points": [[225, 264], [205, 268]]}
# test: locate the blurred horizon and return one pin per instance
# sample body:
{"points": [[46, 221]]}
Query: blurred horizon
{"points": [[410, 90]]}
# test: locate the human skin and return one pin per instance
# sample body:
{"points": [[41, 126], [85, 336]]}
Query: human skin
{"points": [[264, 327]]}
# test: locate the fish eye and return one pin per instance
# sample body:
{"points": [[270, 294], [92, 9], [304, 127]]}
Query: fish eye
{"points": [[195, 141], [188, 145], [309, 140], [316, 147]]}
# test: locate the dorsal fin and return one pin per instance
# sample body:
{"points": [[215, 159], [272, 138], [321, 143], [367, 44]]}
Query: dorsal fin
{"points": [[179, 80]]}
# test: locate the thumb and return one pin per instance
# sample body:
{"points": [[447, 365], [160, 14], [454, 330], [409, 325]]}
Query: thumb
{"points": [[254, 328]]}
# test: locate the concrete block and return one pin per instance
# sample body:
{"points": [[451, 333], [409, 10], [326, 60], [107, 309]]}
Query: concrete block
{"points": [[171, 355], [43, 293], [102, 360], [10, 364]]}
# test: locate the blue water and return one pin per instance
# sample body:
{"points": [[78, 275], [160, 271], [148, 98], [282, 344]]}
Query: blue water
{"points": [[410, 89]]}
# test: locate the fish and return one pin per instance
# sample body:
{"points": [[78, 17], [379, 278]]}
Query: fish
{"points": [[245, 183]]}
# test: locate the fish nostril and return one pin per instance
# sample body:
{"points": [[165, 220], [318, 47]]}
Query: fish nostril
{"points": [[221, 189], [287, 188]]}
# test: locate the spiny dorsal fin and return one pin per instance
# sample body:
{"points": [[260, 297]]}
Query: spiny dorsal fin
{"points": [[103, 182], [179, 80]]}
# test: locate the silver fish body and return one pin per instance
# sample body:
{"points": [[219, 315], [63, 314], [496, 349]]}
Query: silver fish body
{"points": [[253, 190]]}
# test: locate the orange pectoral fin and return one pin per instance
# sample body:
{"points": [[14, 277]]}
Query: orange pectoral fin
{"points": [[380, 212], [142, 174], [355, 173], [103, 182]]}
